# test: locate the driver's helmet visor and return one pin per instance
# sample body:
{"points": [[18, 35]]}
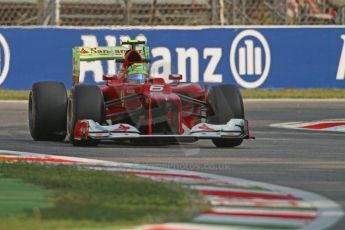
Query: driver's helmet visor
{"points": [[137, 77]]}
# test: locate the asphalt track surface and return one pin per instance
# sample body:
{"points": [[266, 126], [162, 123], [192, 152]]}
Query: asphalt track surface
{"points": [[307, 160]]}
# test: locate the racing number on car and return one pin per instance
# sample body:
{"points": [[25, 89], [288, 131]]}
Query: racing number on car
{"points": [[156, 88]]}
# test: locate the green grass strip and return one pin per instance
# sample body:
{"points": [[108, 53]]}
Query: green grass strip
{"points": [[88, 199], [14, 94], [17, 196], [294, 93]]}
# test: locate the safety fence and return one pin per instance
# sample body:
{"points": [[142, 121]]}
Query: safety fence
{"points": [[171, 12]]}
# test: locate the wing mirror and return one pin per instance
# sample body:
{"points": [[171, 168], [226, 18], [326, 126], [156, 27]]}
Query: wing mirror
{"points": [[175, 77]]}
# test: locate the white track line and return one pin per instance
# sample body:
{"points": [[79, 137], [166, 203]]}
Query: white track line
{"points": [[14, 101]]}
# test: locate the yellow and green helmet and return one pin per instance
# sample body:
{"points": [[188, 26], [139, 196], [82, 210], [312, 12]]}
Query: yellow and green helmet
{"points": [[137, 72]]}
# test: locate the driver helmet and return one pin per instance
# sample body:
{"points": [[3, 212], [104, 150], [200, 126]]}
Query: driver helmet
{"points": [[137, 73]]}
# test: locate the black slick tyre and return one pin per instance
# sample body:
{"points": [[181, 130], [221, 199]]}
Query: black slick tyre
{"points": [[86, 102], [47, 111], [226, 103]]}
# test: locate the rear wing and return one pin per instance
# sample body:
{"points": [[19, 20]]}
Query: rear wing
{"points": [[116, 53]]}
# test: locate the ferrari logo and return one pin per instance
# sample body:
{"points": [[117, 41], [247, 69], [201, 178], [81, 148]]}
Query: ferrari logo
{"points": [[205, 127], [123, 128]]}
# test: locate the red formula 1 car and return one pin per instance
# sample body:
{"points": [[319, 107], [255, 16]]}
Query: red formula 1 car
{"points": [[134, 106]]}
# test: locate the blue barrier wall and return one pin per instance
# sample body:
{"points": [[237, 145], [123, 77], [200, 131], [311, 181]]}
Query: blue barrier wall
{"points": [[257, 57]]}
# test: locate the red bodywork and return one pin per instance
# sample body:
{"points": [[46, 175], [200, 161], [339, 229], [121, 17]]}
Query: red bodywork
{"points": [[149, 100], [154, 107]]}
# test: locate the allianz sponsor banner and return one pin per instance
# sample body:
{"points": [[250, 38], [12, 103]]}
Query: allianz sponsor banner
{"points": [[258, 57]]}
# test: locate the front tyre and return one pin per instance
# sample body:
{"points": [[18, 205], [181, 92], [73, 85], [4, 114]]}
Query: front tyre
{"points": [[226, 103], [47, 111], [86, 102]]}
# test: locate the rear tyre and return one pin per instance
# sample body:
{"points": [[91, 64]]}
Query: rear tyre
{"points": [[226, 103], [47, 111], [86, 102]]}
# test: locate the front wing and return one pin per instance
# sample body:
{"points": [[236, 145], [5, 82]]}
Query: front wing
{"points": [[234, 129]]}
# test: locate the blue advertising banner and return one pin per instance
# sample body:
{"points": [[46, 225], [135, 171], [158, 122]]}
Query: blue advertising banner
{"points": [[250, 57]]}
